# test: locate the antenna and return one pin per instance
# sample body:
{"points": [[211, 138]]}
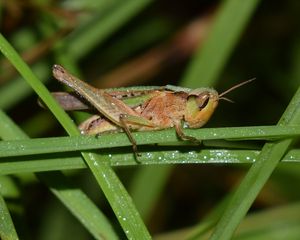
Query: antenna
{"points": [[234, 87]]}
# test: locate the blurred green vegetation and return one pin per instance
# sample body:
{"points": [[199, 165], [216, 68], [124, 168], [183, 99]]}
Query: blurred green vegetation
{"points": [[141, 42]]}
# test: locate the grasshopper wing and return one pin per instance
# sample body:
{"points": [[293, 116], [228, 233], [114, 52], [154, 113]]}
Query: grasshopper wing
{"points": [[109, 106], [70, 101]]}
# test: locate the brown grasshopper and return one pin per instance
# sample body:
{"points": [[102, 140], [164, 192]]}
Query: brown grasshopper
{"points": [[161, 107]]}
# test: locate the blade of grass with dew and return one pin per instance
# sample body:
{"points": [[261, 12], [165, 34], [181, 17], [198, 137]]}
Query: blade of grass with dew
{"points": [[211, 58], [165, 138], [72, 161], [113, 189], [99, 28], [257, 176], [74, 199], [51, 162], [7, 229]]}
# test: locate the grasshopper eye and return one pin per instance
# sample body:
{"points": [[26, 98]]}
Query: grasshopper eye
{"points": [[202, 101]]}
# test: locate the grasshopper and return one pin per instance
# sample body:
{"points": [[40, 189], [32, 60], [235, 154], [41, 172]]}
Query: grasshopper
{"points": [[160, 107]]}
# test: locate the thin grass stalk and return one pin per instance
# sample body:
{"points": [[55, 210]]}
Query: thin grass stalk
{"points": [[257, 176]]}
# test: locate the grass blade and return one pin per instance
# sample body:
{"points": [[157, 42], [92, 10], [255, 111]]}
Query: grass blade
{"points": [[51, 162], [210, 59], [113, 189], [284, 224], [165, 137], [74, 199], [257, 176], [7, 229], [79, 204], [99, 29]]}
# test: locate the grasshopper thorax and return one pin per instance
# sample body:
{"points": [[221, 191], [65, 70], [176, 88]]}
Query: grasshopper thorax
{"points": [[201, 104]]}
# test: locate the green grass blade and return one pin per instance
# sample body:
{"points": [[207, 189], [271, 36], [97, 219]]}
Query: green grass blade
{"points": [[211, 58], [257, 176], [35, 83], [8, 130], [165, 137], [118, 197], [74, 199], [99, 28], [284, 224], [113, 189], [51, 162], [79, 204], [7, 229]]}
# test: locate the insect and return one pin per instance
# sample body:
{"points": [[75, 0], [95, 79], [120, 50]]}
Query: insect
{"points": [[158, 108]]}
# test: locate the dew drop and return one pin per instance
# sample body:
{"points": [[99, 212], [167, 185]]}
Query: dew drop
{"points": [[292, 157]]}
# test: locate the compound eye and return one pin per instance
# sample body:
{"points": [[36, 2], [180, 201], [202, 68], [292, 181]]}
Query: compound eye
{"points": [[202, 100]]}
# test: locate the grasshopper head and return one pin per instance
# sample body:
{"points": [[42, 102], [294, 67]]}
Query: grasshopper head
{"points": [[201, 104]]}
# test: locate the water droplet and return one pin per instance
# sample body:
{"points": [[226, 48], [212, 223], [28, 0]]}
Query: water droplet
{"points": [[292, 157], [149, 155]]}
